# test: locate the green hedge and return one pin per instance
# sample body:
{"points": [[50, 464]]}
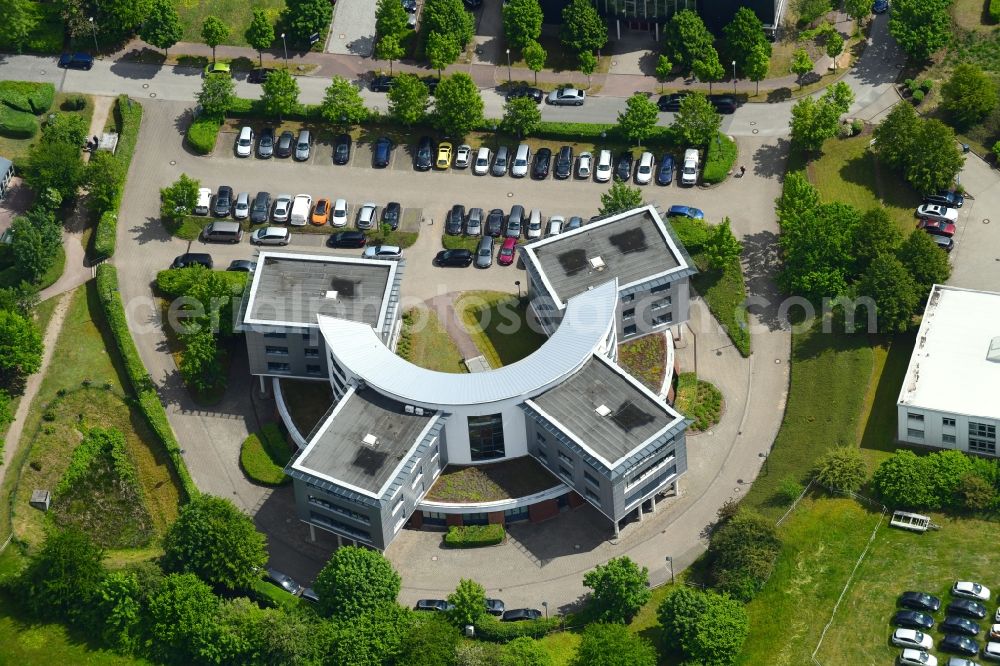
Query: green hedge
{"points": [[488, 628], [995, 10], [16, 124], [128, 118], [474, 536], [263, 456], [450, 242], [719, 159], [202, 134], [140, 381], [175, 282], [106, 235], [35, 98], [254, 108], [272, 596]]}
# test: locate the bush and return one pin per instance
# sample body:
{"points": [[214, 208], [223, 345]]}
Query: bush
{"points": [[741, 554], [106, 235], [16, 124], [263, 456], [474, 536], [488, 628], [128, 118], [789, 490], [918, 96], [74, 103], [842, 468], [35, 98], [719, 159], [857, 125], [202, 134], [175, 282], [459, 242], [926, 85], [995, 11]]}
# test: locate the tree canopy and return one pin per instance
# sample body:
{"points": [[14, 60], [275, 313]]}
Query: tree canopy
{"points": [[686, 40], [182, 618], [741, 554], [355, 582], [920, 27], [968, 95], [280, 93], [162, 28], [217, 94], [620, 588], [259, 34], [35, 244], [522, 22], [62, 579], [390, 19], [638, 118], [305, 17], [469, 601], [214, 31], [408, 99], [583, 29], [521, 116], [448, 17], [458, 105], [20, 348], [708, 628], [342, 103], [442, 50], [179, 199], [842, 468], [613, 645], [924, 259], [743, 34], [620, 197], [697, 121], [802, 64], [894, 291], [534, 57]]}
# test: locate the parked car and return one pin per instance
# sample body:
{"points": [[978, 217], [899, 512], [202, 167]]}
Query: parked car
{"points": [[724, 103], [555, 225], [339, 216], [271, 236], [505, 257], [484, 259], [382, 83], [482, 163], [623, 168], [956, 624], [575, 222], [534, 228], [494, 607], [959, 645], [463, 156], [382, 153], [880, 6], [644, 170], [241, 207], [686, 211], [911, 657], [76, 61], [367, 215], [994, 631], [936, 227], [244, 142], [346, 239], [671, 102], [284, 581], [521, 614], [494, 223], [567, 97], [540, 167], [522, 156], [912, 638], [432, 83], [422, 156], [321, 212], [391, 214], [301, 207], [285, 145], [500, 162], [920, 601], [584, 165], [223, 202], [455, 220], [204, 203], [443, 160], [437, 605], [242, 266], [514, 221], [192, 259], [474, 223], [602, 172], [968, 608], [265, 143], [945, 198], [991, 651], [303, 145], [454, 258], [218, 68], [261, 208], [342, 149], [258, 75], [526, 91], [945, 243], [563, 166], [310, 595], [971, 590], [689, 171], [410, 6], [282, 208], [383, 252], [960, 661], [665, 174], [937, 212], [912, 619]]}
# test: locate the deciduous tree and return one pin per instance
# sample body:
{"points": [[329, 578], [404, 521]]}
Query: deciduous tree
{"points": [[588, 63], [468, 601], [709, 68], [389, 48], [442, 50], [36, 241], [70, 128], [620, 197], [118, 606], [522, 22], [162, 28], [280, 93], [525, 651], [620, 588], [217, 94], [696, 121], [842, 468], [179, 199], [920, 27], [182, 622], [458, 105], [933, 159], [430, 642], [903, 480], [56, 166], [342, 103], [797, 197], [741, 554], [896, 135], [103, 177], [817, 244], [201, 366], [374, 638], [534, 57], [924, 260], [214, 31], [390, 19], [448, 17], [894, 291], [813, 122], [686, 39], [802, 64], [356, 582], [408, 99], [521, 116], [708, 628], [876, 235], [21, 17], [757, 63], [721, 247], [858, 10], [583, 29], [62, 578], [834, 47], [259, 34], [664, 68], [969, 95], [305, 17], [742, 34], [613, 645], [638, 118]]}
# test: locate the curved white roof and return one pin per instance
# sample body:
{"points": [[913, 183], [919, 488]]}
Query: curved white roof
{"points": [[586, 322]]}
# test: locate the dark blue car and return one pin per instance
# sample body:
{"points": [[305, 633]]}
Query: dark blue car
{"points": [[76, 61], [665, 174], [880, 6], [381, 153], [686, 211]]}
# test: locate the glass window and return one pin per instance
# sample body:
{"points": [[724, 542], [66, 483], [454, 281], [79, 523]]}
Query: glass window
{"points": [[590, 478], [310, 352], [591, 495], [948, 439], [982, 430], [314, 370], [564, 457], [276, 351], [628, 298], [486, 437], [948, 422], [565, 473], [663, 319], [628, 314], [275, 335], [913, 432], [915, 417], [629, 330], [977, 445], [278, 367], [660, 287], [662, 303]]}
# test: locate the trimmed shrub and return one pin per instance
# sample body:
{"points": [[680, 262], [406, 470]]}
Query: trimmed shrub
{"points": [[16, 124], [995, 11], [488, 628], [918, 96], [175, 282], [719, 159], [74, 103], [106, 235], [474, 536], [263, 456], [857, 125], [35, 98], [926, 85], [128, 118], [202, 134]]}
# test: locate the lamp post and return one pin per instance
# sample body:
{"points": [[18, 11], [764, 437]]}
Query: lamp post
{"points": [[734, 77], [93, 27], [496, 141], [670, 562], [285, 44], [508, 66], [763, 454], [545, 605], [517, 283]]}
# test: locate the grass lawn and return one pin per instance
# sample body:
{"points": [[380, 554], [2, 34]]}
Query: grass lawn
{"points": [[878, 417], [490, 483], [17, 149], [498, 325], [561, 646], [234, 13], [557, 58], [307, 402], [424, 342], [971, 15], [644, 359]]}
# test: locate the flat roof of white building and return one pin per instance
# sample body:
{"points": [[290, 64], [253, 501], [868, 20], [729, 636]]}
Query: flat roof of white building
{"points": [[955, 366]]}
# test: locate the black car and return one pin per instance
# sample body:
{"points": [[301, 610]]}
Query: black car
{"points": [[285, 145], [943, 242], [76, 61], [494, 607], [723, 103], [342, 149], [920, 601], [473, 4], [623, 168], [520, 614], [223, 201], [540, 167], [671, 102], [968, 608], [564, 163], [456, 258], [956, 624], [455, 220], [665, 174], [945, 198], [346, 239], [260, 208], [534, 94], [242, 266], [265, 143], [432, 84], [437, 605], [912, 619], [259, 75], [575, 222], [959, 645], [193, 259], [423, 158], [391, 214], [382, 152], [410, 6], [382, 83], [494, 223]]}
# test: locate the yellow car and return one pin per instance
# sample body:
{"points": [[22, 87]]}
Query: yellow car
{"points": [[444, 155]]}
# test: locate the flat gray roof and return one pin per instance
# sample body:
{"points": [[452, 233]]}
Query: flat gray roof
{"points": [[633, 246], [631, 415], [292, 289], [340, 452]]}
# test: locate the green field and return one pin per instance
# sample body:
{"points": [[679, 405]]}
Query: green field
{"points": [[424, 342], [17, 149], [234, 13], [498, 324]]}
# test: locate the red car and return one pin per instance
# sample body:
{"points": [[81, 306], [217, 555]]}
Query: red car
{"points": [[506, 256], [936, 227]]}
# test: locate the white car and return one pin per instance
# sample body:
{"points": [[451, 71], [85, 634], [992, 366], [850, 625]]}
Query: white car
{"points": [[339, 216], [367, 216], [241, 209], [567, 97], [383, 252], [301, 209], [912, 638], [482, 164], [602, 172], [912, 657], [991, 651], [970, 590], [270, 236], [534, 229], [462, 156], [938, 212], [244, 142], [583, 164], [556, 223], [282, 208], [644, 172], [204, 201]]}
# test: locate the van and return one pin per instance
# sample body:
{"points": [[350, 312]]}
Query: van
{"points": [[222, 232], [301, 207], [521, 158], [204, 201], [689, 172], [302, 146]]}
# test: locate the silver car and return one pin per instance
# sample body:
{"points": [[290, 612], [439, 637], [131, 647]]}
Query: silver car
{"points": [[474, 225], [270, 236], [302, 145], [339, 217], [282, 208], [241, 209], [484, 254], [463, 156], [383, 252], [583, 165], [567, 97], [367, 216]]}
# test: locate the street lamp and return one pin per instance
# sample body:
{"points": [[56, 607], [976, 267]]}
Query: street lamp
{"points": [[670, 562], [734, 77], [285, 44], [763, 454], [93, 27], [517, 283], [545, 605], [508, 66]]}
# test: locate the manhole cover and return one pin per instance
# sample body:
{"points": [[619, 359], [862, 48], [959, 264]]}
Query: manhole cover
{"points": [[777, 361], [614, 63], [152, 94], [173, 162], [986, 220], [510, 194], [145, 85], [43, 71], [755, 130], [752, 123], [434, 558]]}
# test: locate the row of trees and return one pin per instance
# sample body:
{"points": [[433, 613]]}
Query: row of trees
{"points": [[690, 47], [925, 151], [816, 120]]}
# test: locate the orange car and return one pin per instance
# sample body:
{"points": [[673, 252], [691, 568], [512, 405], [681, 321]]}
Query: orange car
{"points": [[321, 212]]}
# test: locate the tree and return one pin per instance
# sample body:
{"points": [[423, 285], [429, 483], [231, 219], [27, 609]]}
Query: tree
{"points": [[741, 554], [686, 39], [373, 638], [521, 116], [834, 47], [708, 68], [802, 64], [458, 106], [342, 103], [119, 611], [968, 95], [876, 235], [448, 17], [6, 415], [216, 541], [816, 244], [620, 588], [588, 63], [355, 582], [36, 241], [259, 34], [390, 19], [217, 94], [903, 480], [638, 118], [182, 621], [20, 19], [858, 10], [757, 63], [56, 166], [122, 16], [797, 197], [664, 68], [839, 96], [534, 56], [62, 579], [924, 260], [280, 93], [305, 17], [389, 48], [583, 29], [620, 197], [442, 50], [813, 122], [469, 601], [200, 366], [976, 493], [842, 468], [103, 177], [70, 128], [894, 291], [896, 135], [162, 28], [178, 200], [408, 99], [810, 10], [696, 121], [920, 27], [742, 34], [708, 628], [934, 158], [522, 22], [214, 32], [721, 247], [430, 642], [613, 645], [21, 347], [525, 651]]}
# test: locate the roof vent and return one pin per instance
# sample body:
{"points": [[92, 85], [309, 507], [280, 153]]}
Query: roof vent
{"points": [[602, 410], [597, 263], [994, 353], [332, 295], [408, 409], [370, 440]]}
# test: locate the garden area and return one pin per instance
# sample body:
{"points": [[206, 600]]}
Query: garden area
{"points": [[264, 454], [424, 342], [645, 359], [699, 401], [499, 325], [307, 402], [510, 479]]}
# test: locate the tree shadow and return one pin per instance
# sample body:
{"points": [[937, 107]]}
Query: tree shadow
{"points": [[771, 159], [193, 61], [761, 265], [880, 430], [779, 95]]}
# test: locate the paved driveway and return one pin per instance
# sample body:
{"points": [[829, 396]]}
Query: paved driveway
{"points": [[353, 28], [976, 257]]}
